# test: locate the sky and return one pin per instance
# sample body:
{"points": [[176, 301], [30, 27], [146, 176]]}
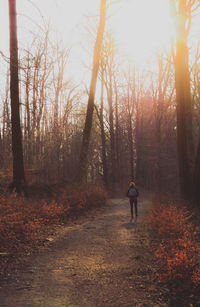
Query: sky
{"points": [[135, 23], [140, 27], [66, 17]]}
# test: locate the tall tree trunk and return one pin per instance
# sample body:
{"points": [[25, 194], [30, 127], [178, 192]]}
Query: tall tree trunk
{"points": [[130, 129], [18, 164], [117, 136], [196, 188], [103, 137], [112, 133], [6, 133], [139, 141], [158, 120], [81, 173], [184, 109], [130, 137], [137, 145], [27, 112]]}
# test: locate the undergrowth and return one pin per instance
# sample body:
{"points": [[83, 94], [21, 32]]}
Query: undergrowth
{"points": [[177, 252], [24, 222]]}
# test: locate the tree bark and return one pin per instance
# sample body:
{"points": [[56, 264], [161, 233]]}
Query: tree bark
{"points": [[158, 123], [81, 173], [196, 188], [103, 137], [138, 140], [130, 128], [18, 164], [184, 109], [117, 136], [112, 132]]}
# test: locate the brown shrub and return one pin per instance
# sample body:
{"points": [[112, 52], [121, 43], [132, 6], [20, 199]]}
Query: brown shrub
{"points": [[24, 221], [178, 250]]}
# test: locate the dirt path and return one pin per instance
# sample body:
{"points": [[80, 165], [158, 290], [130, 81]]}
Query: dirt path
{"points": [[101, 260]]}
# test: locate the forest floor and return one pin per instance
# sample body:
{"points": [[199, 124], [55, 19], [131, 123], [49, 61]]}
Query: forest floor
{"points": [[101, 259]]}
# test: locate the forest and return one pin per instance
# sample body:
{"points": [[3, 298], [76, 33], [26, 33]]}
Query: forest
{"points": [[141, 125], [126, 121]]}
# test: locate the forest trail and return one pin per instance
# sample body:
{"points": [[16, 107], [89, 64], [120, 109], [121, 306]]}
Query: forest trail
{"points": [[100, 260]]}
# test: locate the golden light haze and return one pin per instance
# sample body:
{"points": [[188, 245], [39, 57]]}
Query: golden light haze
{"points": [[143, 27], [140, 27]]}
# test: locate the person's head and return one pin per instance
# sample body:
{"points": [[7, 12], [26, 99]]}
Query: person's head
{"points": [[132, 184]]}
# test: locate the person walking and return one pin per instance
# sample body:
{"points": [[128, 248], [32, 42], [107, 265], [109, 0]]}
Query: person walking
{"points": [[132, 194]]}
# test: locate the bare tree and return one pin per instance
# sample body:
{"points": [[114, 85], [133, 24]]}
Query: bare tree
{"points": [[90, 107], [182, 12], [18, 164], [161, 90], [103, 136]]}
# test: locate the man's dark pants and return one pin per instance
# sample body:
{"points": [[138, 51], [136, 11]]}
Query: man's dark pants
{"points": [[133, 200]]}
